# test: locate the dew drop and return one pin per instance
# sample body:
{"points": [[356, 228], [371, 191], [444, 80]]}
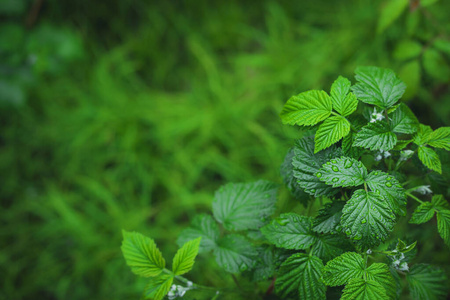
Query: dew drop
{"points": [[328, 163], [318, 174], [348, 164], [335, 179], [378, 192], [333, 161], [363, 221], [390, 178], [375, 173], [243, 267], [283, 222], [388, 184], [357, 237], [334, 168], [267, 195], [348, 232], [313, 190]]}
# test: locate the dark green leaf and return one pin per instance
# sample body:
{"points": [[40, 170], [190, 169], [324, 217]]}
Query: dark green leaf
{"points": [[443, 223], [290, 231], [367, 218], [343, 172], [235, 254], [301, 275], [329, 217], [328, 246], [306, 164], [376, 136], [389, 188], [427, 282], [266, 264], [287, 173], [380, 273], [390, 12], [202, 226], [343, 268], [241, 206]]}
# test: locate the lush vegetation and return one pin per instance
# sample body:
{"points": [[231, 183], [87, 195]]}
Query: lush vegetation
{"points": [[130, 114]]}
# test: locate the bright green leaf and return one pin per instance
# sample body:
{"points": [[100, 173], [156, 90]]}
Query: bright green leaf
{"points": [[329, 217], [328, 246], [300, 275], [380, 273], [442, 44], [430, 159], [423, 213], [330, 132], [367, 218], [390, 12], [185, 257], [142, 255], [360, 289], [439, 203], [235, 253], [443, 223], [403, 120], [423, 135], [306, 164], [308, 108], [240, 206], [389, 188], [343, 172], [440, 138], [290, 231], [378, 86], [343, 268], [427, 282], [203, 226], [344, 102], [158, 287], [376, 136]]}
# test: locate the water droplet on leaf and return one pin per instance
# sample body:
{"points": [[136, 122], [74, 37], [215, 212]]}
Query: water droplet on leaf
{"points": [[388, 184], [335, 179], [334, 168], [318, 174], [363, 221]]}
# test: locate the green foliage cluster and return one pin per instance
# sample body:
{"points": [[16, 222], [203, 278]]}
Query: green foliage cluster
{"points": [[333, 248], [129, 114]]}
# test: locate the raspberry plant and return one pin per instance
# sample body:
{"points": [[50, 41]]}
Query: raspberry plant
{"points": [[351, 165]]}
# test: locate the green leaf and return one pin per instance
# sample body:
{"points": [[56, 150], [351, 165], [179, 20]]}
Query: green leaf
{"points": [[202, 226], [367, 218], [142, 255], [330, 132], [342, 269], [308, 108], [440, 203], [300, 275], [443, 223], [401, 144], [360, 289], [427, 282], [440, 138], [378, 86], [380, 273], [423, 134], [390, 12], [376, 136], [329, 217], [240, 206], [306, 164], [347, 146], [266, 267], [436, 65], [423, 213], [185, 257], [158, 287], [328, 246], [344, 102], [389, 188], [430, 159], [287, 173], [440, 43], [403, 120], [407, 49], [343, 172], [235, 253], [290, 231]]}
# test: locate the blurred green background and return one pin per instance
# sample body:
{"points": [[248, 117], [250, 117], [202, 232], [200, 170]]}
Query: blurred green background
{"points": [[129, 114]]}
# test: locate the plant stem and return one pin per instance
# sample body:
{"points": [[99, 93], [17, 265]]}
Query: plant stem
{"points": [[413, 197]]}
